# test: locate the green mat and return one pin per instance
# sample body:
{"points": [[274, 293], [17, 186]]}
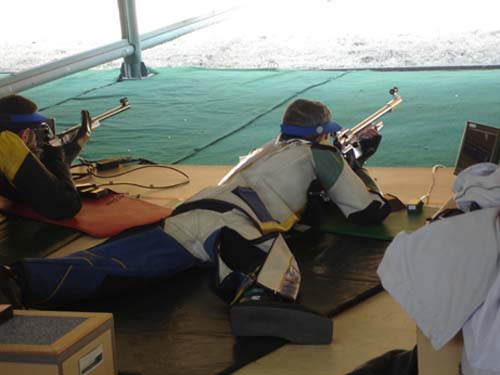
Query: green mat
{"points": [[210, 116], [396, 222]]}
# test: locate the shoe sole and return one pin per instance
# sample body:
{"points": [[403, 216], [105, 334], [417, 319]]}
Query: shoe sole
{"points": [[295, 325]]}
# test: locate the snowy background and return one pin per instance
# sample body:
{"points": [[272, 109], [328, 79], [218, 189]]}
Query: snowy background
{"points": [[307, 34]]}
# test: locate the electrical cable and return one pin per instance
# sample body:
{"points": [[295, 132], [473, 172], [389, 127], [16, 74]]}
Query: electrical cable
{"points": [[90, 172], [429, 192]]}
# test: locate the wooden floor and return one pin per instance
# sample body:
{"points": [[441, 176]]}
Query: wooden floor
{"points": [[360, 333]]}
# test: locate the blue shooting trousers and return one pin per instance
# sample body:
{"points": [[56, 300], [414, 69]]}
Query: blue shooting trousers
{"points": [[150, 254]]}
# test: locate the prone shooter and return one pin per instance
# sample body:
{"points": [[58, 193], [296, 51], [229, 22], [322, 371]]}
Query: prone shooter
{"points": [[34, 161]]}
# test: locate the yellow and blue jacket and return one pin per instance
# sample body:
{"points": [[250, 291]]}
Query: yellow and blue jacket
{"points": [[47, 187]]}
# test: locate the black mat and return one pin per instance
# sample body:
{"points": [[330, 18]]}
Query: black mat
{"points": [[179, 326], [21, 238]]}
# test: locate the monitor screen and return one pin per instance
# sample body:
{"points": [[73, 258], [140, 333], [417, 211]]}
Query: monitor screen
{"points": [[480, 143]]}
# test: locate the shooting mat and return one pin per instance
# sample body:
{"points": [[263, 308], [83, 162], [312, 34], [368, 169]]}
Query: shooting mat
{"points": [[106, 216], [396, 222], [21, 238], [179, 326]]}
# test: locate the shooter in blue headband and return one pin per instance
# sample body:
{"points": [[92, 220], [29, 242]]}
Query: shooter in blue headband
{"points": [[330, 127], [31, 170], [298, 122], [308, 119]]}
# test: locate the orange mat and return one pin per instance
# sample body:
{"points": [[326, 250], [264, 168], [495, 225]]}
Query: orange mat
{"points": [[106, 216]]}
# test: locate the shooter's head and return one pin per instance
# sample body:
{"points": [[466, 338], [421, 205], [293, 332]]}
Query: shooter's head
{"points": [[309, 120], [19, 115]]}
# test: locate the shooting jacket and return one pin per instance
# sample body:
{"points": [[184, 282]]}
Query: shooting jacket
{"points": [[262, 197], [47, 187]]}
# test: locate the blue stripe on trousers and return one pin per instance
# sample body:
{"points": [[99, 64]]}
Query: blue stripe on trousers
{"points": [[148, 255]]}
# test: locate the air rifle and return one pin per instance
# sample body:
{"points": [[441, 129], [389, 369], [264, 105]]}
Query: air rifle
{"points": [[348, 139], [68, 134]]}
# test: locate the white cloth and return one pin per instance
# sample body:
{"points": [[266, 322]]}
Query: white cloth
{"points": [[467, 369], [479, 183], [441, 273], [482, 335]]}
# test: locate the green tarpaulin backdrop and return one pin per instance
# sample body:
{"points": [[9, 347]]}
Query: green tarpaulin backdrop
{"points": [[205, 116]]}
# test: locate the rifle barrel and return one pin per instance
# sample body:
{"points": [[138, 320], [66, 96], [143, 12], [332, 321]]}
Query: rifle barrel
{"points": [[375, 116], [113, 111], [103, 116]]}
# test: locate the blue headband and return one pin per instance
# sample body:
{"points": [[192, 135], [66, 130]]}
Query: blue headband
{"points": [[34, 117], [310, 131]]}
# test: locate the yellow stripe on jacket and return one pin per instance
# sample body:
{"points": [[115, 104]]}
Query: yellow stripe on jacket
{"points": [[13, 151]]}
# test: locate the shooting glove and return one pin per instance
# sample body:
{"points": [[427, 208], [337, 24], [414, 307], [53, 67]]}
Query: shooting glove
{"points": [[315, 211], [368, 147], [82, 136], [50, 154], [53, 159]]}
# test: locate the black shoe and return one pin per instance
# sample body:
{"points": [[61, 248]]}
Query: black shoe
{"points": [[10, 291], [267, 315]]}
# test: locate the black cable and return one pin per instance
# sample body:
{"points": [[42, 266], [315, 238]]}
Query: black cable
{"points": [[83, 163], [139, 168], [90, 172], [161, 187]]}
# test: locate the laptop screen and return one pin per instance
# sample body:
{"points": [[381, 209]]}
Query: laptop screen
{"points": [[480, 143]]}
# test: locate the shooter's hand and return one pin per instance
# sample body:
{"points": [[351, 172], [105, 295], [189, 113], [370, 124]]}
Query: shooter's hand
{"points": [[85, 131], [82, 136], [369, 141], [50, 153]]}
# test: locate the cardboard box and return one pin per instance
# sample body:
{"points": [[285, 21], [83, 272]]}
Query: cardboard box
{"points": [[445, 361], [57, 343]]}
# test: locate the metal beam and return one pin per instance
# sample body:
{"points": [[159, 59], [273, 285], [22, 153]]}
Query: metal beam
{"points": [[64, 67], [133, 67], [122, 49], [178, 29]]}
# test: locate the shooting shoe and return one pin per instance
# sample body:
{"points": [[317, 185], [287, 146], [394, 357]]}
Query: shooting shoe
{"points": [[263, 313], [82, 136]]}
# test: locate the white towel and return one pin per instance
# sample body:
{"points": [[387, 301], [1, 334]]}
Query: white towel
{"points": [[480, 184]]}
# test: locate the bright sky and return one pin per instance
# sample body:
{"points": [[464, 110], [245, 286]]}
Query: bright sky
{"points": [[90, 19], [62, 20], [345, 33]]}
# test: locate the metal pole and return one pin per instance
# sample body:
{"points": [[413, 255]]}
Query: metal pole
{"points": [[133, 67], [122, 49]]}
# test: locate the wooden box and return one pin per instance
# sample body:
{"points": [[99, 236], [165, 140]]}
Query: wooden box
{"points": [[445, 361], [57, 343]]}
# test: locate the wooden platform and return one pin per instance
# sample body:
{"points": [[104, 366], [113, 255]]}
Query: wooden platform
{"points": [[406, 183], [361, 333]]}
